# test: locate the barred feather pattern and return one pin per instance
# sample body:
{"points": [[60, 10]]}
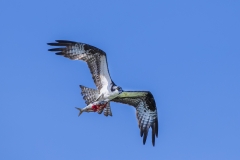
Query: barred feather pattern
{"points": [[107, 111], [81, 51], [146, 113], [93, 64], [89, 94]]}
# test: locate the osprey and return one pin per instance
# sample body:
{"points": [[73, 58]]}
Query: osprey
{"points": [[98, 100]]}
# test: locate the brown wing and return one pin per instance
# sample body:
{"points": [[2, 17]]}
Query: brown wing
{"points": [[95, 58], [146, 111]]}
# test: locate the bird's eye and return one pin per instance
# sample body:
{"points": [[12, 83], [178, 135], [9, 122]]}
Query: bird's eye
{"points": [[119, 89]]}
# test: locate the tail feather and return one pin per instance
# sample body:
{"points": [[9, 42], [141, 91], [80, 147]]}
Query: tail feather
{"points": [[89, 94], [107, 111]]}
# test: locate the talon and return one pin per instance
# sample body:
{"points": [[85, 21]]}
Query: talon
{"points": [[104, 105]]}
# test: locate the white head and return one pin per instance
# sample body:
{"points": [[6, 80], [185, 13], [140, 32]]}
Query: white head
{"points": [[116, 89]]}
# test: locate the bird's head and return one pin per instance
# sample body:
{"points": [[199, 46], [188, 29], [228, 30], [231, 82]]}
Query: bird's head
{"points": [[117, 89]]}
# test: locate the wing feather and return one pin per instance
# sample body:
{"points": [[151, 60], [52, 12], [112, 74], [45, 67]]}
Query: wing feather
{"points": [[96, 59], [146, 111]]}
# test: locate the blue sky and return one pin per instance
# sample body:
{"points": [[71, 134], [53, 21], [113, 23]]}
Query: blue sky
{"points": [[186, 53]]}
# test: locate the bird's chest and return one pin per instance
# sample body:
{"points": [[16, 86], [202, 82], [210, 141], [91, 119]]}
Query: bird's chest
{"points": [[109, 95]]}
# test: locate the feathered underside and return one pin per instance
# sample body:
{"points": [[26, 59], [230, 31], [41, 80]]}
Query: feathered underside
{"points": [[90, 95], [146, 111], [95, 58]]}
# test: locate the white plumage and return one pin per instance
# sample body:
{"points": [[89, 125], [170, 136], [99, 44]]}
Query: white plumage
{"points": [[99, 100]]}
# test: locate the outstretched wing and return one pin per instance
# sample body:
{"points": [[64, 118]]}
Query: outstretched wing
{"points": [[146, 111], [95, 58]]}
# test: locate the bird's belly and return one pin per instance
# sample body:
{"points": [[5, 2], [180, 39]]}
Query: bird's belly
{"points": [[110, 96]]}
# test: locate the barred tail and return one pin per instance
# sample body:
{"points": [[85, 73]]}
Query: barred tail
{"points": [[107, 111], [89, 94]]}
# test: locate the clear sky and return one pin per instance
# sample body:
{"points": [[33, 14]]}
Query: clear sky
{"points": [[187, 53]]}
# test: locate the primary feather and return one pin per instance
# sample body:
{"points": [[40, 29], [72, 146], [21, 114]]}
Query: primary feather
{"points": [[96, 59], [107, 91], [146, 111]]}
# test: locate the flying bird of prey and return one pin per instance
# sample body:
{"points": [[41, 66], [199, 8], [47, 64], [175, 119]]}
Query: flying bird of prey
{"points": [[98, 100]]}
